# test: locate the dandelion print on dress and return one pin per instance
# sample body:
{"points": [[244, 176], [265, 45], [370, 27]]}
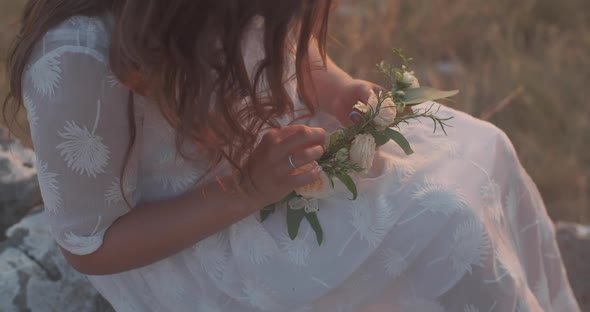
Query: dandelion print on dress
{"points": [[49, 188], [90, 27], [436, 196], [114, 195], [470, 308], [371, 221], [404, 171], [81, 244], [113, 82], [492, 200], [507, 261], [247, 231], [470, 247], [259, 296], [213, 254], [32, 114], [297, 250], [174, 172], [46, 74], [394, 262], [448, 148], [90, 24], [83, 150]]}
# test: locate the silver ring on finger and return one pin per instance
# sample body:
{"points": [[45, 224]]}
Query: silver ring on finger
{"points": [[291, 161]]}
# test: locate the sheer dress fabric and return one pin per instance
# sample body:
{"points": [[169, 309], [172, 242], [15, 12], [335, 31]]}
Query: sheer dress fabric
{"points": [[458, 226]]}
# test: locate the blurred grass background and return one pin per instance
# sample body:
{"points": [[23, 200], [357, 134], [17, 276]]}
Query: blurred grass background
{"points": [[523, 65]]}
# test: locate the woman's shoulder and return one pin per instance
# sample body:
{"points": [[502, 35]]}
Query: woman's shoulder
{"points": [[77, 34]]}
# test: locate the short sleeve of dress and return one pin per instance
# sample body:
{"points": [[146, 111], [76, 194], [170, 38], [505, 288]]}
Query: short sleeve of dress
{"points": [[78, 115]]}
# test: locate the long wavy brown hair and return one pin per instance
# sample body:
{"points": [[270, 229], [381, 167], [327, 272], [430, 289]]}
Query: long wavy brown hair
{"points": [[187, 56]]}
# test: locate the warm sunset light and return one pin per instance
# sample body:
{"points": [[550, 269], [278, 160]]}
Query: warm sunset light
{"points": [[294, 156]]}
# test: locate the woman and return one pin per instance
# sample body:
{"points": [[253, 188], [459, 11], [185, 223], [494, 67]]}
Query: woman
{"points": [[163, 127]]}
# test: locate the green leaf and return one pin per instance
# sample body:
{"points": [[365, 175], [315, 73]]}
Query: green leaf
{"points": [[266, 212], [400, 140], [380, 138], [423, 94], [334, 137], [313, 220], [289, 196], [294, 218], [347, 180]]}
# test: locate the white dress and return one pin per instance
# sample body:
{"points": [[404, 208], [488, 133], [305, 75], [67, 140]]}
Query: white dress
{"points": [[458, 226]]}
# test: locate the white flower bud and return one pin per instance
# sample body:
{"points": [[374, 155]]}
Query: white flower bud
{"points": [[320, 188], [342, 154], [410, 80], [308, 205], [312, 205], [386, 115], [361, 107], [362, 151]]}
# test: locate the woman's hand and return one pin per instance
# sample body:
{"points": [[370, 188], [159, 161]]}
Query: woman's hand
{"points": [[349, 94], [270, 170], [353, 91]]}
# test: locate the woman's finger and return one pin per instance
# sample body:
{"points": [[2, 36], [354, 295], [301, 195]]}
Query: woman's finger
{"points": [[303, 158], [304, 178], [302, 137]]}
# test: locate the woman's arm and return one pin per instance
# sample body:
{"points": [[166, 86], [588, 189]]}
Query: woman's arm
{"points": [[153, 231], [335, 90], [157, 230], [327, 78]]}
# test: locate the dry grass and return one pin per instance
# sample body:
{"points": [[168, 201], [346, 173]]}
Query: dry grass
{"points": [[523, 64]]}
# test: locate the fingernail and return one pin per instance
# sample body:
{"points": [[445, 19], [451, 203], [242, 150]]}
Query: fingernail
{"points": [[355, 117]]}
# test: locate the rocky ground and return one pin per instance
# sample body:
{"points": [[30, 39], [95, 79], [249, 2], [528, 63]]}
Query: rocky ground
{"points": [[18, 182], [34, 276]]}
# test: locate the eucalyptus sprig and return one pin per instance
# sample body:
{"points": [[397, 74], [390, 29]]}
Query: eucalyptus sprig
{"points": [[350, 150]]}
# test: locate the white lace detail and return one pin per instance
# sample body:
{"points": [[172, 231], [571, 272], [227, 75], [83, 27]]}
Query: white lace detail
{"points": [[436, 196], [174, 172], [470, 246], [371, 221], [470, 308], [32, 114], [84, 150], [250, 230], [46, 74], [82, 245], [394, 262], [297, 250], [49, 187], [213, 255], [492, 199], [259, 296]]}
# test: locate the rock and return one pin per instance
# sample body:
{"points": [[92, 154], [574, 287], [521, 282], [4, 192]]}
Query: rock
{"points": [[574, 243], [34, 275], [19, 189]]}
